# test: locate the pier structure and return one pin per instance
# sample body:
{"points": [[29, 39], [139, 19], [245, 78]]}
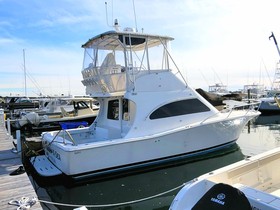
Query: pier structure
{"points": [[13, 188]]}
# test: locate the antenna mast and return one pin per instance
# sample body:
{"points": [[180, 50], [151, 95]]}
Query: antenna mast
{"points": [[106, 14], [135, 19], [116, 23]]}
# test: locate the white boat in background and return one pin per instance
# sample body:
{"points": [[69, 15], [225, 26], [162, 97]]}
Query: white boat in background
{"points": [[218, 88], [50, 106], [255, 180], [148, 113], [253, 92], [53, 106], [59, 113]]}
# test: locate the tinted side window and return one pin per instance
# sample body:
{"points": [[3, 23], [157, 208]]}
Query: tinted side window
{"points": [[113, 110], [177, 108]]}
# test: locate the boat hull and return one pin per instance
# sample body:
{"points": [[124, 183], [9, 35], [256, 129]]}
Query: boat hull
{"points": [[269, 108], [107, 156]]}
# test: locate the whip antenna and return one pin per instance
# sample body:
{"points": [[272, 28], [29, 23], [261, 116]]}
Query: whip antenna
{"points": [[106, 14], [106, 8], [135, 19], [115, 23]]}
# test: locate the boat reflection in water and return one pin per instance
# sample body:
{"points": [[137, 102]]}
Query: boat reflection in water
{"points": [[142, 184], [258, 138], [267, 119]]}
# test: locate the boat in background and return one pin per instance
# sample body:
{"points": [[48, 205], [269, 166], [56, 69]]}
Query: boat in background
{"points": [[218, 88], [270, 104], [254, 180], [11, 104], [253, 92], [57, 114], [219, 101], [148, 113]]}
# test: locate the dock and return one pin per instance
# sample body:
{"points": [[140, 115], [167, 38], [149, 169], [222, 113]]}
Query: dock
{"points": [[12, 188]]}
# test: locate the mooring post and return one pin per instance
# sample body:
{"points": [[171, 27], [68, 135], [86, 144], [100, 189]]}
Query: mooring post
{"points": [[2, 116], [19, 148], [9, 126], [249, 95]]}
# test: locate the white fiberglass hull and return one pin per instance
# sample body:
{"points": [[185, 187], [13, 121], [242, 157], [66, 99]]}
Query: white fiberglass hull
{"points": [[256, 177], [114, 154]]}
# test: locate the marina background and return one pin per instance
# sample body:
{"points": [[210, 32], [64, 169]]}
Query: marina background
{"points": [[214, 40]]}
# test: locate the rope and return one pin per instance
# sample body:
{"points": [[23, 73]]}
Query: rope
{"points": [[21, 203], [24, 203]]}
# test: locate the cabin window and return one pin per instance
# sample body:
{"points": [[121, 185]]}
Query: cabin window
{"points": [[113, 110], [177, 108], [125, 109]]}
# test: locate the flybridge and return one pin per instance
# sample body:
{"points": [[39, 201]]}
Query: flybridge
{"points": [[114, 60]]}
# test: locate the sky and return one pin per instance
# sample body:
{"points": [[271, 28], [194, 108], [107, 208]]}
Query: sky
{"points": [[216, 41]]}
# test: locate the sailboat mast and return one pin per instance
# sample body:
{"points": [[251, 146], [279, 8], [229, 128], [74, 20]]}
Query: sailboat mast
{"points": [[24, 69]]}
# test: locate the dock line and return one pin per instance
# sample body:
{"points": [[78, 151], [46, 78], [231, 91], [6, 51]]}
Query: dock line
{"points": [[23, 203], [26, 203]]}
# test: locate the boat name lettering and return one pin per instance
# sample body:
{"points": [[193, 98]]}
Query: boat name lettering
{"points": [[218, 201], [54, 153]]}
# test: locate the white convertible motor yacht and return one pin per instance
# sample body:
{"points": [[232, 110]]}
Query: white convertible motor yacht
{"points": [[148, 113]]}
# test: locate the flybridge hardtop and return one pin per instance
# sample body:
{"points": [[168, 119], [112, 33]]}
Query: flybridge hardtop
{"points": [[115, 40]]}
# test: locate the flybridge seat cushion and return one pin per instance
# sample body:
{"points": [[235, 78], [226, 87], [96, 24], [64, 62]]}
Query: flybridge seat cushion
{"points": [[109, 60], [223, 197]]}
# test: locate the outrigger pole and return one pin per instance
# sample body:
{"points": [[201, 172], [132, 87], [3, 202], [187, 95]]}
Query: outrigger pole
{"points": [[276, 79], [272, 36]]}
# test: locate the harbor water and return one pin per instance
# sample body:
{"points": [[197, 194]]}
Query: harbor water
{"points": [[155, 188]]}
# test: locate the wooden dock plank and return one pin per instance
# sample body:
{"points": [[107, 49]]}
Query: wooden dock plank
{"points": [[12, 187]]}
